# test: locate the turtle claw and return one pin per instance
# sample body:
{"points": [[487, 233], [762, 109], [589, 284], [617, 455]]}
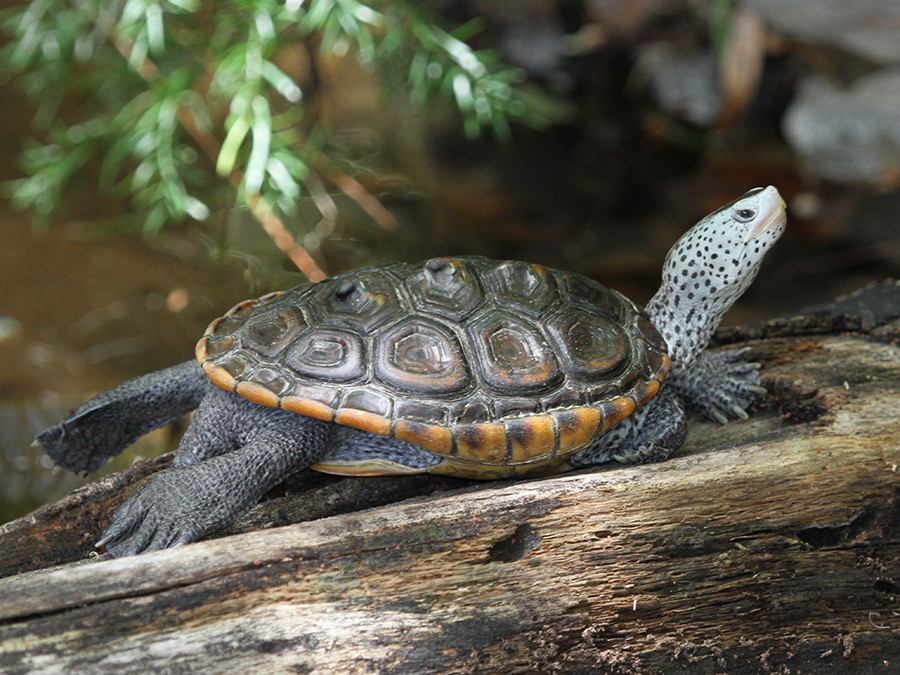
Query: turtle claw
{"points": [[756, 389], [649, 451], [638, 455], [719, 416], [628, 456], [104, 540], [740, 412]]}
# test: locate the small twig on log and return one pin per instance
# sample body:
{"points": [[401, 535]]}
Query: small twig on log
{"points": [[324, 203], [278, 232], [355, 190]]}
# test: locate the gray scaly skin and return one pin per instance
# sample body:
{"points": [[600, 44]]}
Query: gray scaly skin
{"points": [[234, 450]]}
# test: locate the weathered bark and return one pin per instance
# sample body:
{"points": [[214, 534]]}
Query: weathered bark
{"points": [[762, 546]]}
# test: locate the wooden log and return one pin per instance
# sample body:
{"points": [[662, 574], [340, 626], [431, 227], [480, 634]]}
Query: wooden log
{"points": [[764, 546]]}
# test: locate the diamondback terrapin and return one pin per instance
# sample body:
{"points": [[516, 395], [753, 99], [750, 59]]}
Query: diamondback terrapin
{"points": [[463, 366]]}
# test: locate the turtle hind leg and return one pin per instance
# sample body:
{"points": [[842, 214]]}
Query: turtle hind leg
{"points": [[360, 453], [650, 434], [719, 385], [183, 504], [110, 422], [224, 422]]}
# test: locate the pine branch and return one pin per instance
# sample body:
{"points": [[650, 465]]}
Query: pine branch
{"points": [[271, 223]]}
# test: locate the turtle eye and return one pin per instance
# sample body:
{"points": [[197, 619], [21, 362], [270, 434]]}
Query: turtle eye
{"points": [[744, 215]]}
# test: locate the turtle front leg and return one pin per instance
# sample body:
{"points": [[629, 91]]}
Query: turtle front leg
{"points": [[185, 503], [651, 434], [719, 385]]}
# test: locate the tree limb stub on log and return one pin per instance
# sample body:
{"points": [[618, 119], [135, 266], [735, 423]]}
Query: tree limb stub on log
{"points": [[762, 546]]}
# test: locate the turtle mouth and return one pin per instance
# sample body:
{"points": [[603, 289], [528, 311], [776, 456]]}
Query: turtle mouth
{"points": [[772, 215]]}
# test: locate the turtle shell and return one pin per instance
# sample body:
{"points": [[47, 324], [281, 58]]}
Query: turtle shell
{"points": [[499, 367]]}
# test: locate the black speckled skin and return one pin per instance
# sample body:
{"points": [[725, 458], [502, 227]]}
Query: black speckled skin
{"points": [[234, 450], [717, 381], [706, 271], [650, 434]]}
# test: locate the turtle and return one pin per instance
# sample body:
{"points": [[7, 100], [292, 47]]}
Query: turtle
{"points": [[461, 366]]}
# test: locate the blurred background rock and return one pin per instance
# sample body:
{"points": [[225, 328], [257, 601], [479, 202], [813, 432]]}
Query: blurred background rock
{"points": [[631, 119]]}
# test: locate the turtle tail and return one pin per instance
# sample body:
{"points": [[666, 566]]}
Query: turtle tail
{"points": [[107, 424]]}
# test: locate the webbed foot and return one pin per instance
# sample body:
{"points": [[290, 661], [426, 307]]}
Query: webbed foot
{"points": [[648, 452], [185, 503], [107, 424], [720, 385], [172, 508], [650, 434]]}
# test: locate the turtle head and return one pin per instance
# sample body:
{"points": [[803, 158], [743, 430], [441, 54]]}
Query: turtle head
{"points": [[719, 257], [710, 267]]}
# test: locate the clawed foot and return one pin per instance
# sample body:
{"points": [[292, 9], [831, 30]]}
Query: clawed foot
{"points": [[651, 434], [157, 516], [648, 452], [720, 385]]}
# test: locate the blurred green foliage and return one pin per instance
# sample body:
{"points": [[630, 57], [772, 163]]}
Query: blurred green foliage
{"points": [[177, 97]]}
